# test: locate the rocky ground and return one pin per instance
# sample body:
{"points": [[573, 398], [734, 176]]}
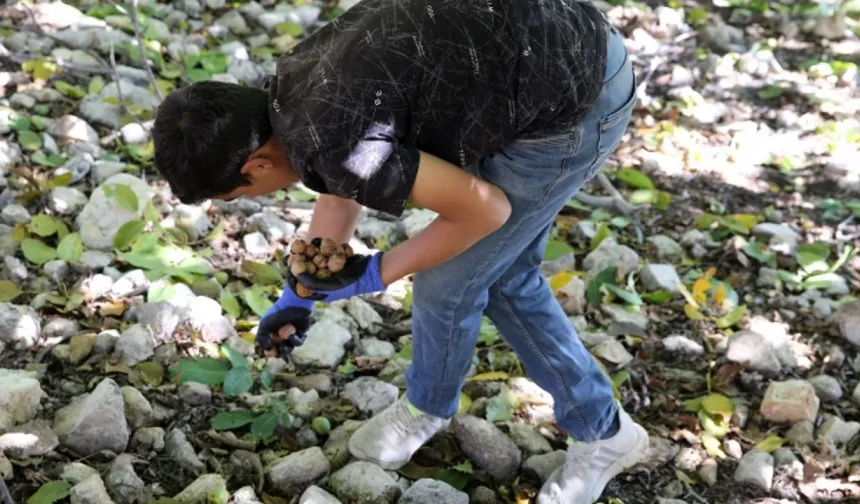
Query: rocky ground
{"points": [[723, 306]]}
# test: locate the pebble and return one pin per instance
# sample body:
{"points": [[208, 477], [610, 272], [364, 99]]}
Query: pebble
{"points": [[316, 495], [298, 470], [15, 214], [136, 344], [363, 313], [784, 458], [370, 395], [689, 458], [195, 394], [432, 491], [138, 410], [732, 448], [755, 468], [790, 401], [667, 248], [708, 472], [682, 344], [373, 347], [610, 253], [94, 422], [19, 326], [203, 489], [364, 483], [530, 441], [66, 200], [848, 320], [544, 465], [483, 495], [753, 348], [487, 446], [801, 433], [612, 351], [256, 243], [660, 277], [827, 388], [90, 491], [178, 448], [324, 346], [33, 439], [836, 431]]}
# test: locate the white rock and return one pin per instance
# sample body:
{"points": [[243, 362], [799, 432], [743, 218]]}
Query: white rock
{"points": [[365, 483], [57, 270], [298, 470], [20, 100], [10, 154], [66, 200], [256, 244], [136, 344], [271, 225], [233, 21], [363, 313], [178, 448], [102, 216], [433, 491], [79, 166], [20, 395], [246, 71], [130, 284], [316, 495], [660, 277], [373, 347], [90, 491], [103, 170], [69, 128], [682, 344], [14, 269], [609, 253], [97, 111], [15, 214], [134, 133], [202, 490], [19, 326], [235, 50], [753, 348], [370, 395], [324, 346]]}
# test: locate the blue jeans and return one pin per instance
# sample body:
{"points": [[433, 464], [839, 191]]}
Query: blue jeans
{"points": [[500, 275]]}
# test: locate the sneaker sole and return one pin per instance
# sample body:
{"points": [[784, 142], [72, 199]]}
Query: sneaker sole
{"points": [[634, 457]]}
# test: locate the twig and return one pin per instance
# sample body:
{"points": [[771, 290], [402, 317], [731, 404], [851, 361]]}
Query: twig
{"points": [[614, 201], [140, 47], [116, 81]]}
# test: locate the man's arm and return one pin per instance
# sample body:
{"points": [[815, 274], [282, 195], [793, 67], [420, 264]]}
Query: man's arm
{"points": [[334, 218], [469, 209]]}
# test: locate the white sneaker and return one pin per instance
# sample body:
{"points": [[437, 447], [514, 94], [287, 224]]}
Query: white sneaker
{"points": [[390, 438], [588, 467]]}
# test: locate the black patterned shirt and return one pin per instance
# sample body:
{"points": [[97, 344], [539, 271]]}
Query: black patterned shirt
{"points": [[355, 102]]}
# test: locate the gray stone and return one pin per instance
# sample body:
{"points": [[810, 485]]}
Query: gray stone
{"points": [[848, 319], [370, 395], [15, 214], [800, 434], [336, 448], [667, 248], [161, 318], [233, 21], [790, 401], [609, 253], [177, 447], [827, 388], [613, 351], [90, 491], [363, 313], [78, 166], [121, 479], [722, 36], [14, 269], [316, 495], [273, 227], [202, 489], [66, 200], [755, 468], [304, 404], [138, 411], [544, 465], [102, 216], [487, 446], [364, 483], [431, 491], [130, 284], [732, 448], [660, 277], [20, 100], [134, 133], [708, 472], [483, 495], [148, 439], [295, 472], [69, 128], [10, 155], [75, 472], [529, 439], [373, 229], [103, 170], [753, 348], [93, 109], [682, 344], [324, 346], [19, 326], [836, 431], [621, 315], [372, 347], [247, 72], [94, 422], [195, 394], [136, 344], [57, 270], [779, 236]]}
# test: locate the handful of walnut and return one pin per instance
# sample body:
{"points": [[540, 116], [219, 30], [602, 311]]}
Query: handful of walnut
{"points": [[322, 258]]}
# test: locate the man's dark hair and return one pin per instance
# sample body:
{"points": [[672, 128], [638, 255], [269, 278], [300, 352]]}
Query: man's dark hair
{"points": [[204, 133]]}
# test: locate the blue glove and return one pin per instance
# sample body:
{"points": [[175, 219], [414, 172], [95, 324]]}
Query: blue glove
{"points": [[360, 275], [289, 309]]}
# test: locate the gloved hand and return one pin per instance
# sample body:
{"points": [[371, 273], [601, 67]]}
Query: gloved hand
{"points": [[289, 309], [360, 275]]}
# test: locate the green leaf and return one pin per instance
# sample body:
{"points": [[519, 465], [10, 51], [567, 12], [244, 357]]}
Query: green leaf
{"points": [[263, 427], [556, 249], [712, 446], [770, 443], [658, 297], [347, 368], [230, 304], [453, 477], [822, 282], [257, 301], [42, 68], [627, 296], [758, 252], [69, 90], [238, 381], [214, 62], [731, 318], [52, 161], [152, 373], [718, 404], [606, 276], [717, 427], [127, 233], [812, 257], [70, 248], [96, 85], [43, 225], [698, 15], [20, 124], [603, 232], [694, 405], [267, 379], [291, 29], [770, 92], [37, 252], [634, 178], [203, 370], [235, 358], [125, 196], [228, 420], [262, 274], [8, 291], [29, 140], [198, 75], [50, 492]]}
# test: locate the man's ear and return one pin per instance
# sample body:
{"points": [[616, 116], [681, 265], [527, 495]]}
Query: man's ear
{"points": [[256, 164]]}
